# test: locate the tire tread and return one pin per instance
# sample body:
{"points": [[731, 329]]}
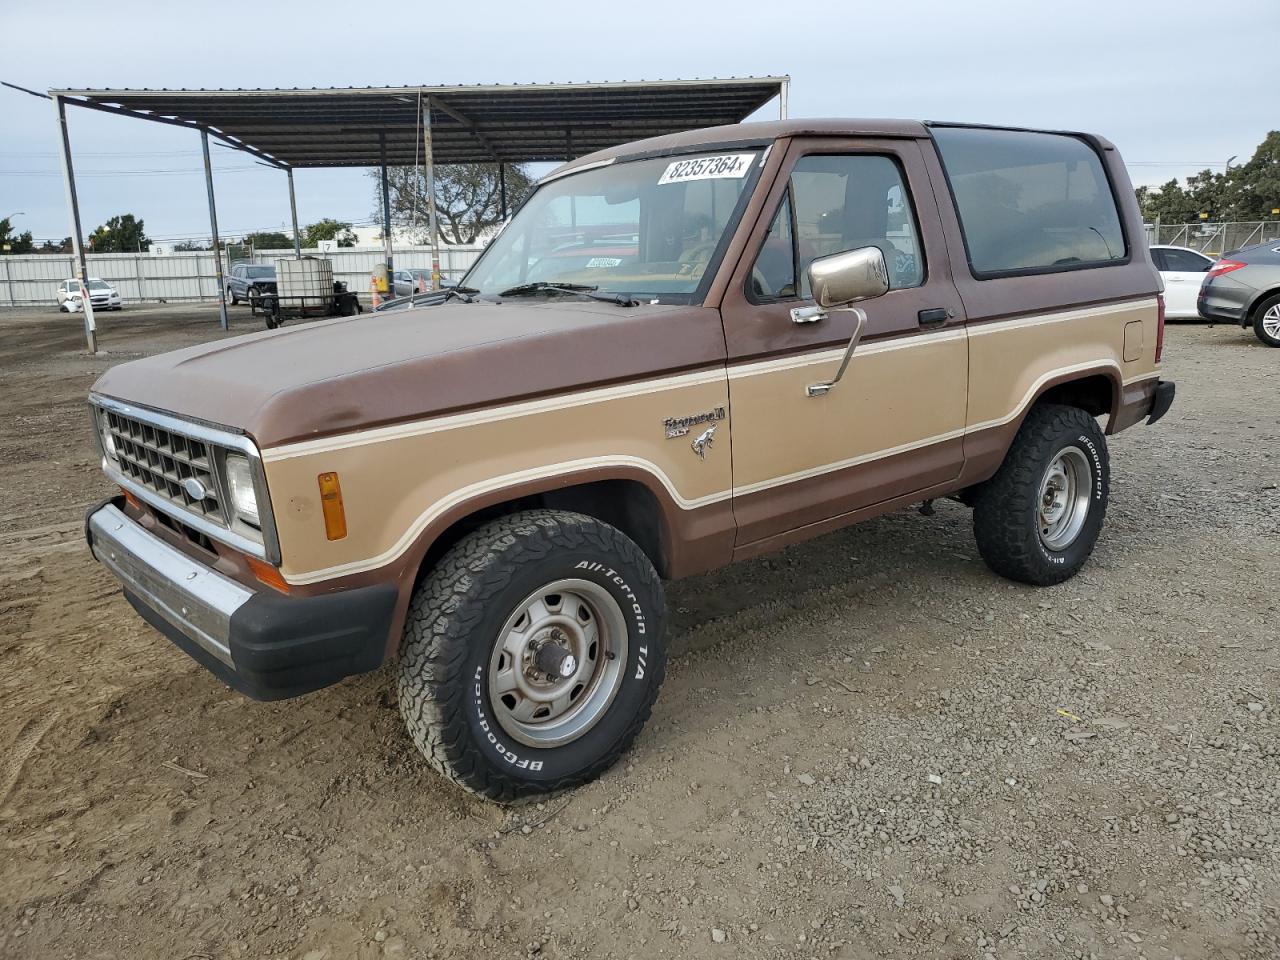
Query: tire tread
{"points": [[1008, 545], [432, 682]]}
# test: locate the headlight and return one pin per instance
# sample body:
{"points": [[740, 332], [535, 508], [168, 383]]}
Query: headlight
{"points": [[108, 441], [244, 499]]}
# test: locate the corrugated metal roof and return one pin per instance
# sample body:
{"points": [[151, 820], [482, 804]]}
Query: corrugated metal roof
{"points": [[515, 123]]}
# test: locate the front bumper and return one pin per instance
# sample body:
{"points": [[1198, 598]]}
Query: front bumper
{"points": [[264, 644]]}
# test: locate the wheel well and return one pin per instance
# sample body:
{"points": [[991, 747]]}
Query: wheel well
{"points": [[1258, 301], [627, 505], [1094, 394]]}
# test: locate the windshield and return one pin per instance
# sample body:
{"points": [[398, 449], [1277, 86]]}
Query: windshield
{"points": [[257, 273], [99, 285], [646, 227]]}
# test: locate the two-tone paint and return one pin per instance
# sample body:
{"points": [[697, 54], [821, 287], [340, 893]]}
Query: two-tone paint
{"points": [[433, 416]]}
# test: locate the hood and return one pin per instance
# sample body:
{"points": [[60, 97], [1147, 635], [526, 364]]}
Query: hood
{"points": [[348, 373]]}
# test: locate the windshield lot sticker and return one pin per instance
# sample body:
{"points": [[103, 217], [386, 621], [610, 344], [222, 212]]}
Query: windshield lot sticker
{"points": [[726, 166], [604, 262]]}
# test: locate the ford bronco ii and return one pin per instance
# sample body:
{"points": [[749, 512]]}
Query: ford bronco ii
{"points": [[772, 331]]}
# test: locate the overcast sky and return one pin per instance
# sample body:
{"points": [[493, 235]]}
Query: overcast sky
{"points": [[1129, 71]]}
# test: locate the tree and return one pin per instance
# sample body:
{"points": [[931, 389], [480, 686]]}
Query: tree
{"points": [[269, 240], [1168, 203], [11, 242], [328, 229], [468, 200], [121, 234], [189, 246], [51, 246], [1249, 191]]}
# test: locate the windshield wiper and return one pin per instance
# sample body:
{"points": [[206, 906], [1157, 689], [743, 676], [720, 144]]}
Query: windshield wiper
{"points": [[465, 294], [579, 289]]}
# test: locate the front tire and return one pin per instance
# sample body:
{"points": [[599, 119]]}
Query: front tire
{"points": [[1266, 321], [1037, 520], [532, 654]]}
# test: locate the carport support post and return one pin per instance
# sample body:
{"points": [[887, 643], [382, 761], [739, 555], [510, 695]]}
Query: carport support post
{"points": [[293, 212], [783, 89], [502, 189], [73, 203], [432, 222], [213, 229], [386, 217]]}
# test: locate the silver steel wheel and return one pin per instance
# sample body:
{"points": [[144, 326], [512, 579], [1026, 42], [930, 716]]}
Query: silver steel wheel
{"points": [[1064, 499], [1271, 322], [558, 663]]}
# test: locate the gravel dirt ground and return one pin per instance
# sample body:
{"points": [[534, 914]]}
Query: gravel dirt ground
{"points": [[867, 746]]}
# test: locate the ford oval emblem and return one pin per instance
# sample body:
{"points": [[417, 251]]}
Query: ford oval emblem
{"points": [[194, 489]]}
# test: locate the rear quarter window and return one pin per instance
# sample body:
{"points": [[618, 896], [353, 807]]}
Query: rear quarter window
{"points": [[1030, 202]]}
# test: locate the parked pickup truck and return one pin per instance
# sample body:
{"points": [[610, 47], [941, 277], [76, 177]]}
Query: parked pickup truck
{"points": [[819, 322]]}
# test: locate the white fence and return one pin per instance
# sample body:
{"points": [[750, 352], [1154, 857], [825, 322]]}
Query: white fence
{"points": [[32, 279]]}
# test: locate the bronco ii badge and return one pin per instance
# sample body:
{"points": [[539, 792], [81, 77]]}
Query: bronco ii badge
{"points": [[680, 426]]}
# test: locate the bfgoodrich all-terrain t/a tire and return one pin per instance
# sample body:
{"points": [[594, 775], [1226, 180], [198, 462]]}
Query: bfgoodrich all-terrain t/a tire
{"points": [[532, 654], [1038, 518]]}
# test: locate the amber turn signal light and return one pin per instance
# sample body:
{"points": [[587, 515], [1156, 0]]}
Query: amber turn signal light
{"points": [[267, 574], [335, 517]]}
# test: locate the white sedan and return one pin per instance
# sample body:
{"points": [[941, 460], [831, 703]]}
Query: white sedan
{"points": [[1182, 271], [102, 295]]}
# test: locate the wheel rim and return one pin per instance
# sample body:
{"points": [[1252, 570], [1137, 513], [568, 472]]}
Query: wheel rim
{"points": [[575, 619], [1064, 499], [1271, 322]]}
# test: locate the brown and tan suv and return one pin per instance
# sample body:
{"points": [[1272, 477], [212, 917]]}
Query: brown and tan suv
{"points": [[656, 369]]}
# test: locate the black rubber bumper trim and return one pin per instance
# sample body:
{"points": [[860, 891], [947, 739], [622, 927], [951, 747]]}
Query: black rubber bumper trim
{"points": [[1162, 401], [286, 646]]}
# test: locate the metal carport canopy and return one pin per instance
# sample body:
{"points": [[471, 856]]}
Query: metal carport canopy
{"points": [[404, 126], [507, 123]]}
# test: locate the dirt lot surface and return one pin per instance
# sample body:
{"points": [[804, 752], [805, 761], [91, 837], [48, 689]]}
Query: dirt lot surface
{"points": [[867, 746]]}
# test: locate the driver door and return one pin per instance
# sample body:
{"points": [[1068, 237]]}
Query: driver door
{"points": [[895, 424]]}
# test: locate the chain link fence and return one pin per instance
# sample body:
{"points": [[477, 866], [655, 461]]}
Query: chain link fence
{"points": [[1215, 239]]}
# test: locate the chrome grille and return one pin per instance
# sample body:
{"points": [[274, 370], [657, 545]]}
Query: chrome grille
{"points": [[161, 459]]}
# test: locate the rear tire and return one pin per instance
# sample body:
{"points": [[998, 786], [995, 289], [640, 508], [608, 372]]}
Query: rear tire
{"points": [[1037, 520], [473, 686], [1266, 321]]}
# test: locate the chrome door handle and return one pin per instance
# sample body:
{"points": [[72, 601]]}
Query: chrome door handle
{"points": [[807, 314]]}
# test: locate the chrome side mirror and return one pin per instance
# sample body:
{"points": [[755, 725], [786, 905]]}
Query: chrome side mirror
{"points": [[837, 281], [848, 277]]}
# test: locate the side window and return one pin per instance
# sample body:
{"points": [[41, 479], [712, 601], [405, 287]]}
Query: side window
{"points": [[1030, 202], [1158, 258], [774, 274], [838, 203], [1184, 261]]}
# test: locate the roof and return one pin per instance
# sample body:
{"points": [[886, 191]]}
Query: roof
{"points": [[746, 134], [516, 123]]}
